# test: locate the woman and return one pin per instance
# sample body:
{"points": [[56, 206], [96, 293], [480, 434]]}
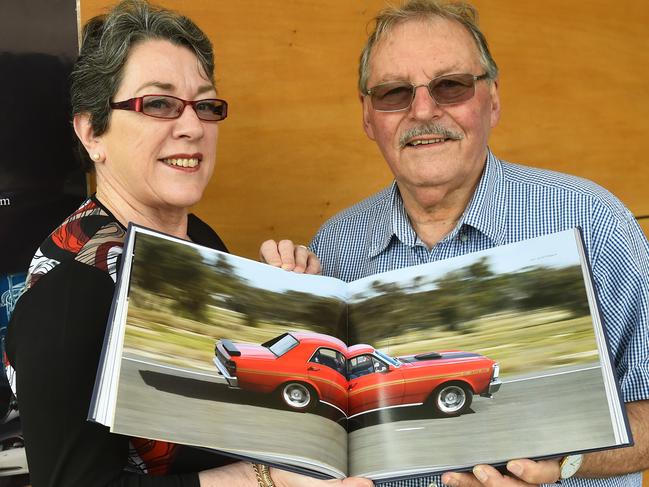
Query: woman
{"points": [[145, 110]]}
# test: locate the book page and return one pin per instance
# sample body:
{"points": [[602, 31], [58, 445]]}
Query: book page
{"points": [[265, 395], [479, 359], [233, 355], [102, 404]]}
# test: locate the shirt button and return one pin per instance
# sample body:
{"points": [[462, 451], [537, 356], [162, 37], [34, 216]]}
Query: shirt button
{"points": [[432, 484], [463, 237]]}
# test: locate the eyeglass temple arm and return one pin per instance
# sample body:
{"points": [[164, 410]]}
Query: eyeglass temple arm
{"points": [[134, 104]]}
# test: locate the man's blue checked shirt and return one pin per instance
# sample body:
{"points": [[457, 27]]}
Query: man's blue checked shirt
{"points": [[513, 203]]}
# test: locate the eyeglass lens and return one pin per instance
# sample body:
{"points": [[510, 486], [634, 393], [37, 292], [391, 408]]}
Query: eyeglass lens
{"points": [[445, 90], [170, 107]]}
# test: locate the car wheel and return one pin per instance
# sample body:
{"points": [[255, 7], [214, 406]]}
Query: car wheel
{"points": [[298, 396], [451, 399]]}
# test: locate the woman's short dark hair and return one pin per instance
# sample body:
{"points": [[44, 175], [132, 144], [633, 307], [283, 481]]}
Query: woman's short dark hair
{"points": [[106, 43]]}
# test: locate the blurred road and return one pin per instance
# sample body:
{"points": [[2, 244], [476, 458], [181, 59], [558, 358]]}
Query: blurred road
{"points": [[528, 417], [189, 407]]}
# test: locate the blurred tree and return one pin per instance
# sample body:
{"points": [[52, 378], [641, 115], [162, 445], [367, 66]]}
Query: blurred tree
{"points": [[549, 287], [187, 279], [173, 271]]}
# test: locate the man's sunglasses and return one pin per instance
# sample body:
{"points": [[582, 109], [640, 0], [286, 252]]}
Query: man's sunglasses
{"points": [[166, 106], [445, 90]]}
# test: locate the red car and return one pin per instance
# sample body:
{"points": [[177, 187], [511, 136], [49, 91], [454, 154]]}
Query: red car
{"points": [[303, 368]]}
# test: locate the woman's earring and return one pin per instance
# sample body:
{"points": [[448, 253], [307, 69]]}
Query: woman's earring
{"points": [[96, 156]]}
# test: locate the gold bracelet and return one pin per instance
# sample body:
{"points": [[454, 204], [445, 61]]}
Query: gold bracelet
{"points": [[263, 475]]}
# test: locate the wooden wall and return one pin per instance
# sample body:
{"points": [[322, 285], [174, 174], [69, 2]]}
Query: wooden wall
{"points": [[573, 86]]}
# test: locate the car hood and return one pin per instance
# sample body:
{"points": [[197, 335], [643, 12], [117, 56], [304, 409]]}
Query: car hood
{"points": [[440, 357]]}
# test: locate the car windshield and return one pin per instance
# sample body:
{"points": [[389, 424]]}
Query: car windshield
{"points": [[391, 360], [283, 345]]}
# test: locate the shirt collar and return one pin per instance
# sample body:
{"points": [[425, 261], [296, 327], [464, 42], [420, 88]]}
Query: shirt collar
{"points": [[486, 212], [390, 218]]}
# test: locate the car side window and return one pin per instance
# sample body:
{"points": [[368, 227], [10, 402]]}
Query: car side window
{"points": [[378, 365], [330, 358], [360, 366]]}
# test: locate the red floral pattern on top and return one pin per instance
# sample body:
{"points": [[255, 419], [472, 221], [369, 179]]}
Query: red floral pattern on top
{"points": [[92, 235]]}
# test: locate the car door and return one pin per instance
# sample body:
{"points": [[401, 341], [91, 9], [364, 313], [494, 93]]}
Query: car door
{"points": [[373, 384], [326, 368]]}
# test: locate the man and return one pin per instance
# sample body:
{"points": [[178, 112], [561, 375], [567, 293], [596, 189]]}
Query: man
{"points": [[429, 91]]}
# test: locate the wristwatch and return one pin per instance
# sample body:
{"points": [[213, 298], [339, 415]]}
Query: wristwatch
{"points": [[569, 465]]}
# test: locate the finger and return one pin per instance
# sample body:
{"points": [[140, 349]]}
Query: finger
{"points": [[301, 258], [540, 472], [457, 479], [489, 476], [357, 482], [481, 476], [524, 474], [313, 265], [287, 254], [269, 253], [283, 478]]}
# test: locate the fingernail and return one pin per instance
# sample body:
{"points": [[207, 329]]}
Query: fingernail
{"points": [[449, 480], [480, 474], [515, 468]]}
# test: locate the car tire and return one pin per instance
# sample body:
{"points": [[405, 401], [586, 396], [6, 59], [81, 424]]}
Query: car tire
{"points": [[298, 396], [451, 399]]}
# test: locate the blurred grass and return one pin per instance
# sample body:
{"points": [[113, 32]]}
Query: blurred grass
{"points": [[166, 337], [520, 342]]}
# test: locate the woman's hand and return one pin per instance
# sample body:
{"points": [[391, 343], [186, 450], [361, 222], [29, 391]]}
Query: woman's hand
{"points": [[290, 257], [282, 478], [241, 474]]}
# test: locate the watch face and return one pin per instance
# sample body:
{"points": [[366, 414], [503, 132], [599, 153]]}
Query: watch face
{"points": [[570, 465]]}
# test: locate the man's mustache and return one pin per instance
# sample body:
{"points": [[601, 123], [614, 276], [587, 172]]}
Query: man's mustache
{"points": [[432, 128]]}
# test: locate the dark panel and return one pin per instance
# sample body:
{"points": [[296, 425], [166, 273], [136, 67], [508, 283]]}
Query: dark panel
{"points": [[40, 182]]}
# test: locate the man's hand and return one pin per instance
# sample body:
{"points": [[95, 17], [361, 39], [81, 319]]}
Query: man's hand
{"points": [[290, 257], [522, 473]]}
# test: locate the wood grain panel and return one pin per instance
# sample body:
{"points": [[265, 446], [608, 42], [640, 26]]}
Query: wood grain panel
{"points": [[292, 152], [644, 223]]}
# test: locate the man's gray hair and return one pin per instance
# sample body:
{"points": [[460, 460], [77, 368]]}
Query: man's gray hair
{"points": [[106, 43], [392, 16]]}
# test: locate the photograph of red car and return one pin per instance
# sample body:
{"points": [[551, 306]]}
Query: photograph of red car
{"points": [[380, 377], [304, 368]]}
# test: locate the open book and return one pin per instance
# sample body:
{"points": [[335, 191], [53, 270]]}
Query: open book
{"points": [[494, 355]]}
